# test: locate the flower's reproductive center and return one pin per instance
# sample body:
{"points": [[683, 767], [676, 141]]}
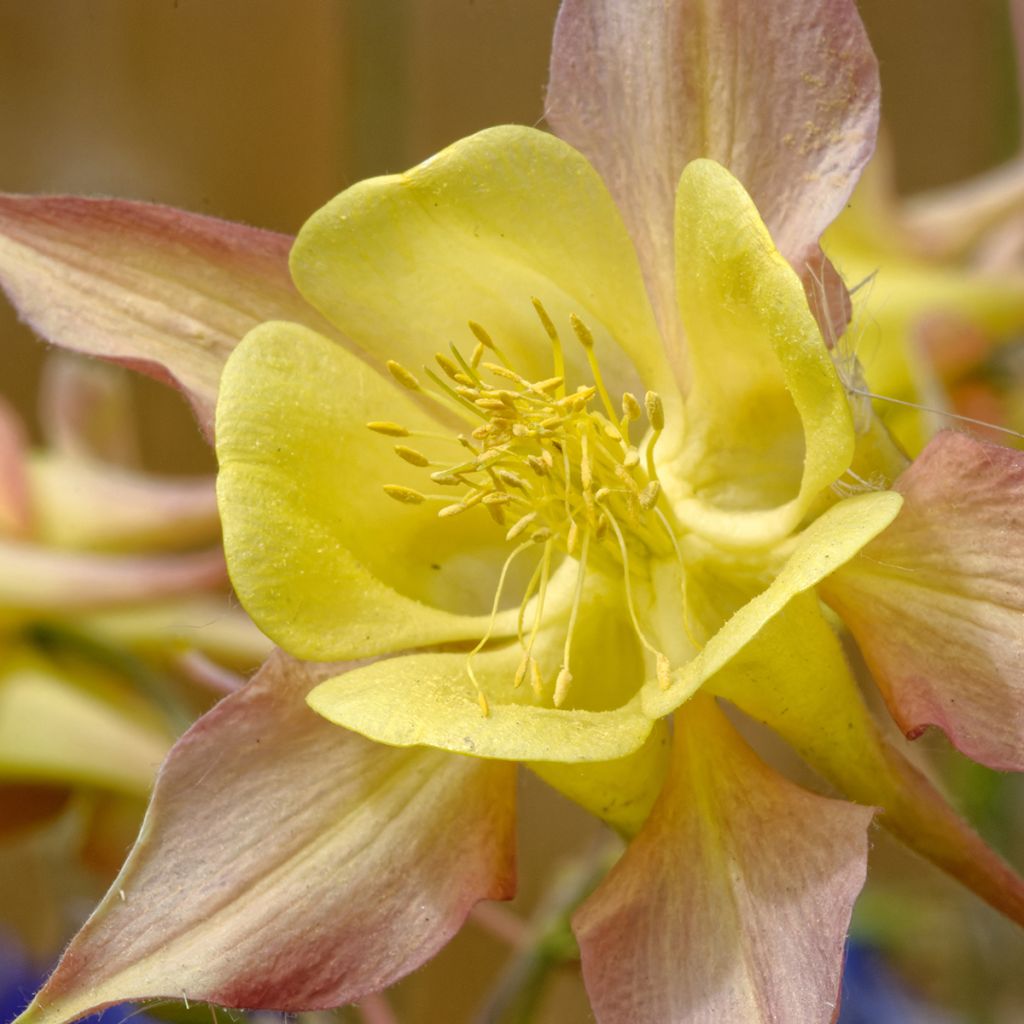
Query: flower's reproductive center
{"points": [[556, 474]]}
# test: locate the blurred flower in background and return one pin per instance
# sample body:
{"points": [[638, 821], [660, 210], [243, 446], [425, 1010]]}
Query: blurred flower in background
{"points": [[116, 630]]}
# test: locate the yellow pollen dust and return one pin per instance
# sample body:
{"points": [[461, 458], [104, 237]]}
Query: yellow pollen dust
{"points": [[559, 476]]}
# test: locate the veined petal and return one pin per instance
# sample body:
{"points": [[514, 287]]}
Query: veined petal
{"points": [[788, 101], [86, 504], [164, 291], [769, 425], [752, 930], [52, 730], [401, 263], [936, 602], [38, 579], [829, 542], [795, 678], [304, 901], [15, 503], [323, 560]]}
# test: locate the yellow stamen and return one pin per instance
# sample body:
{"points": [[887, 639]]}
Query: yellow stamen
{"points": [[586, 339], [406, 495], [556, 342], [565, 675], [411, 456], [388, 428], [402, 375]]}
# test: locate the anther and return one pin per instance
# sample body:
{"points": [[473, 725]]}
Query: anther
{"points": [[663, 671], [524, 667], [537, 465], [630, 407], [562, 684], [573, 538], [655, 410], [452, 510], [519, 527], [481, 335], [582, 331], [497, 498], [649, 495], [402, 375], [503, 371], [552, 333], [536, 682], [411, 456], [450, 367], [512, 478], [388, 428], [545, 387], [406, 495]]}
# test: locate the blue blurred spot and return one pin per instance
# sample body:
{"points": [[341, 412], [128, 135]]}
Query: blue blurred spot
{"points": [[874, 994]]}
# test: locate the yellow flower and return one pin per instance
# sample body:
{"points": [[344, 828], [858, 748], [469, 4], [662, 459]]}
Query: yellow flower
{"points": [[556, 491]]}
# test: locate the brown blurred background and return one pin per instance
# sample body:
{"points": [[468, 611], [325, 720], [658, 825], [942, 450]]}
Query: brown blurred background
{"points": [[261, 110]]}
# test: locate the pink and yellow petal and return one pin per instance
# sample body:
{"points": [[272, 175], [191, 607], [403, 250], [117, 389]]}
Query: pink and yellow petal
{"points": [[317, 903], [90, 505], [795, 679], [936, 602], [323, 560], [36, 579], [402, 263], [788, 101], [768, 422], [753, 929], [161, 290], [829, 542]]}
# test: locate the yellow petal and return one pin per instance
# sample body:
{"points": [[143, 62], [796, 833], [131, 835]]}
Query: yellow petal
{"points": [[322, 559], [403, 262], [620, 792], [430, 698], [427, 699], [769, 426], [826, 544]]}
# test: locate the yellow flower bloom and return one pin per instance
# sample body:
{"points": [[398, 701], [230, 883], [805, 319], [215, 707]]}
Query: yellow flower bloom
{"points": [[529, 451]]}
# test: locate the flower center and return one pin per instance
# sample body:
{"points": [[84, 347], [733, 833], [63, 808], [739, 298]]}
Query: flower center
{"points": [[555, 473]]}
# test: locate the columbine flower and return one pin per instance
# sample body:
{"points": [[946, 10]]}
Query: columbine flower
{"points": [[650, 475]]}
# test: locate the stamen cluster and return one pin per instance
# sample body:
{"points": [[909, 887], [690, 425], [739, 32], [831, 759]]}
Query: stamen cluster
{"points": [[548, 468]]}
